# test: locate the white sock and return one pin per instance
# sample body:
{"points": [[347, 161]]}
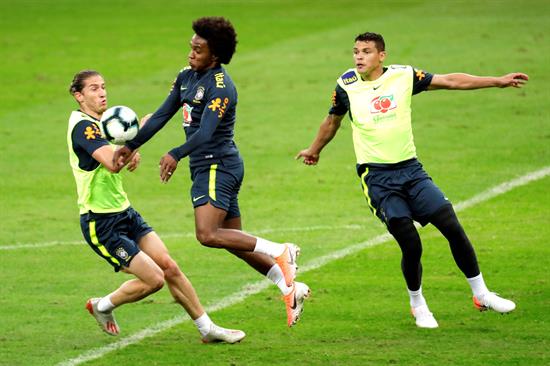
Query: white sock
{"points": [[479, 289], [416, 298], [276, 275], [105, 305], [269, 248], [203, 324]]}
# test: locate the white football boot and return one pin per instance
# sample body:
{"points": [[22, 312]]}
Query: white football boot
{"points": [[492, 301], [219, 334], [424, 317], [105, 320]]}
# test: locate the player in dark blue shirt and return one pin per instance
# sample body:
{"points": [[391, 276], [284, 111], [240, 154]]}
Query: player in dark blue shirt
{"points": [[208, 99]]}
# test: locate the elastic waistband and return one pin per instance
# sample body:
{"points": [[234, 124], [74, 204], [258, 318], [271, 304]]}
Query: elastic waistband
{"points": [[93, 215], [376, 166]]}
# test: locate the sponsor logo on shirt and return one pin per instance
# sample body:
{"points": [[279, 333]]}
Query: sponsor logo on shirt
{"points": [[216, 105], [420, 74], [382, 104], [349, 78], [333, 98], [219, 80], [91, 132], [186, 110]]}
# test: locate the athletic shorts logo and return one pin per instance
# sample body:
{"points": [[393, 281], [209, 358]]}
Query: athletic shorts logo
{"points": [[195, 199], [121, 253], [382, 104]]}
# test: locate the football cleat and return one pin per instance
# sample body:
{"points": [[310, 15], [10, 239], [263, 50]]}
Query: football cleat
{"points": [[105, 320], [287, 262], [294, 302], [424, 317], [218, 334], [492, 301]]}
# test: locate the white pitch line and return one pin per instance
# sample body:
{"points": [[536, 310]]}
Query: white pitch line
{"points": [[185, 235], [256, 287]]}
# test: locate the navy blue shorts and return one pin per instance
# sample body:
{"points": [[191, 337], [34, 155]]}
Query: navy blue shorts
{"points": [[114, 236], [402, 190], [218, 184]]}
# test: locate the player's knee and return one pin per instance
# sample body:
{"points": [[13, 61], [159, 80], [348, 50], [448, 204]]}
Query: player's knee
{"points": [[407, 237], [170, 269], [447, 223], [207, 238], [156, 283]]}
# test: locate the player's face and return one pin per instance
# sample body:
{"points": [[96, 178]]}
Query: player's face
{"points": [[93, 97], [200, 58], [367, 57]]}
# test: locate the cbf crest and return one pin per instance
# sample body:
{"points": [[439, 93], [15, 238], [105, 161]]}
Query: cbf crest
{"points": [[200, 94], [122, 253]]}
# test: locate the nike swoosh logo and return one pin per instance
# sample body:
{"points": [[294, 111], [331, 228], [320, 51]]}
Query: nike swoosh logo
{"points": [[376, 87], [195, 199], [183, 88], [293, 307]]}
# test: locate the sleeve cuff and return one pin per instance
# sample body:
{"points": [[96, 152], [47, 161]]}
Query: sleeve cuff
{"points": [[175, 153]]}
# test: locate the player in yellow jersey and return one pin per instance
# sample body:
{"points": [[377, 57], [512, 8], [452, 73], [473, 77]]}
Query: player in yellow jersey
{"points": [[113, 229], [396, 187]]}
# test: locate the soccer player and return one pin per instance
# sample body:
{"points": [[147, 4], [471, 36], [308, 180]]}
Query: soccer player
{"points": [[113, 229], [397, 189], [208, 99]]}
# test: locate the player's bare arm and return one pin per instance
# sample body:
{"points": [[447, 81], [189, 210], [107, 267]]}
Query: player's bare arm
{"points": [[327, 131], [461, 81], [106, 156]]}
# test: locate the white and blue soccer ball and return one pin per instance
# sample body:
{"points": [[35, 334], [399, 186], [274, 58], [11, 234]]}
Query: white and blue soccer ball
{"points": [[119, 124]]}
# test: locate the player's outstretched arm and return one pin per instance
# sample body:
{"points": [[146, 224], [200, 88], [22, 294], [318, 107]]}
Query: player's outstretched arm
{"points": [[125, 155], [327, 130], [462, 81], [105, 155]]}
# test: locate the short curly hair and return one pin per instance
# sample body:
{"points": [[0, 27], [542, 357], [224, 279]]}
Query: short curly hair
{"points": [[220, 36]]}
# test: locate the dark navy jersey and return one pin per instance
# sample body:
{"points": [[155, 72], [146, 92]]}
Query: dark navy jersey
{"points": [[340, 101], [208, 101], [86, 137]]}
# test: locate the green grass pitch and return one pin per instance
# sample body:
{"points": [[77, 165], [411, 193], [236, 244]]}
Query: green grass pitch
{"points": [[288, 58]]}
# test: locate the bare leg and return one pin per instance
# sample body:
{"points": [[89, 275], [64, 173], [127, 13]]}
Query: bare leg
{"points": [[180, 287], [149, 279], [210, 231], [260, 262]]}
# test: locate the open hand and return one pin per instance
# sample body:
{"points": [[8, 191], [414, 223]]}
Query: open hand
{"points": [[167, 167]]}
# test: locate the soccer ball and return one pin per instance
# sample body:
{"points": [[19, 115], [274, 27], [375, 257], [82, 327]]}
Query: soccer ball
{"points": [[119, 124]]}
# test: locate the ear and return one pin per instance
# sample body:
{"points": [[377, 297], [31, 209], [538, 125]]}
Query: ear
{"points": [[79, 97], [382, 56]]}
